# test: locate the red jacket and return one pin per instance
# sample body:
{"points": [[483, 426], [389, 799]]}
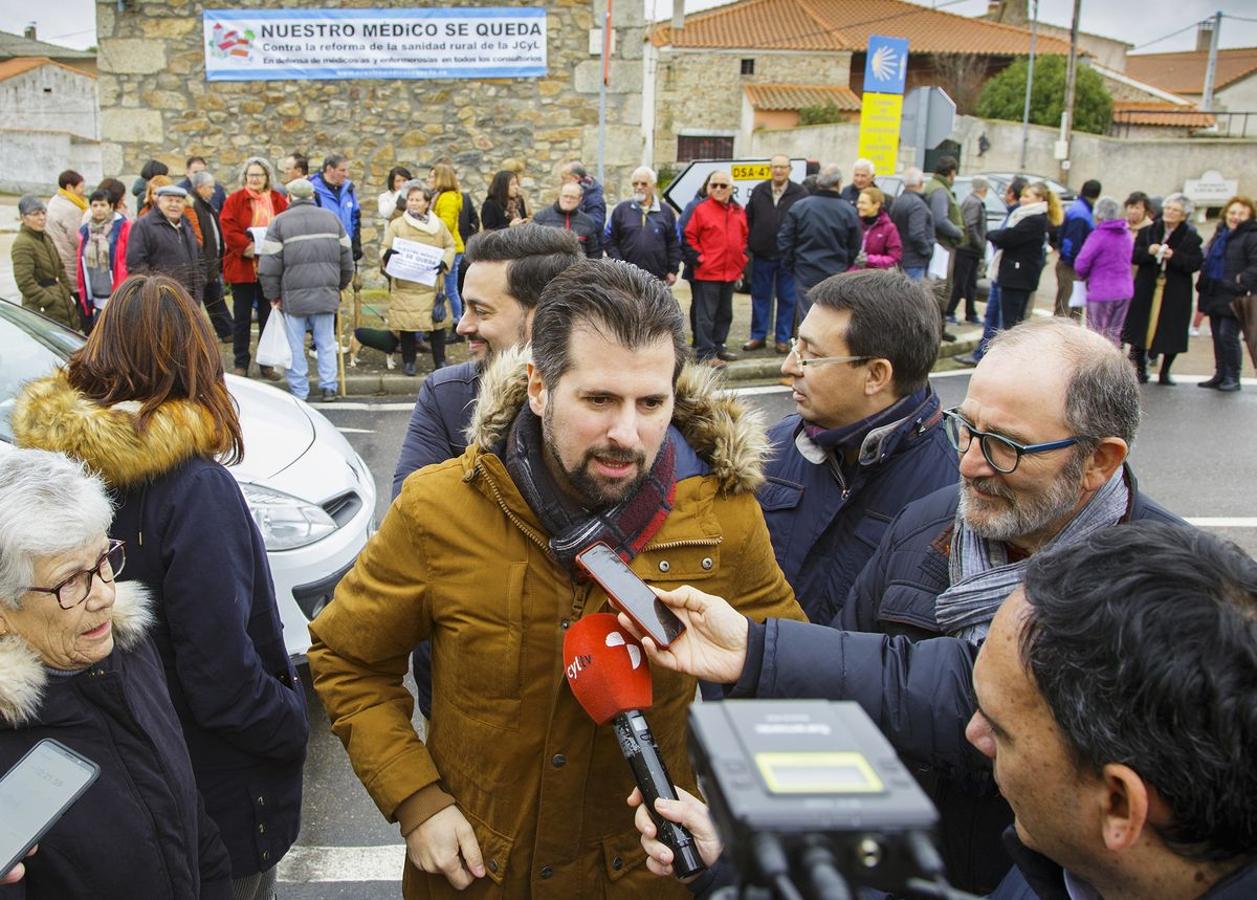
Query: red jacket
{"points": [[717, 233], [235, 219]]}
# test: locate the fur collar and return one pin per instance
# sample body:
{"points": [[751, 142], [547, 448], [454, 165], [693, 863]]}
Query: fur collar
{"points": [[52, 415], [22, 675], [726, 434]]}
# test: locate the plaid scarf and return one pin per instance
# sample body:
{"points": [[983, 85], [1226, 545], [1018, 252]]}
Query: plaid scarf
{"points": [[626, 527]]}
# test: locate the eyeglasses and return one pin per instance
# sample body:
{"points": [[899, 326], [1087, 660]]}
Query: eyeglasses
{"points": [[797, 351], [1001, 453], [74, 590]]}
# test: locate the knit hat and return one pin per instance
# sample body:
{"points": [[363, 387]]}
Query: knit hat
{"points": [[31, 204], [300, 189]]}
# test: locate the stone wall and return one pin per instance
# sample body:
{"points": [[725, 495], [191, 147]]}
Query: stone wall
{"points": [[156, 103], [50, 97], [701, 92]]}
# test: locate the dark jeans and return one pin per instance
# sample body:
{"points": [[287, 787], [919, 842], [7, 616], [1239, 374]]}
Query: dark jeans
{"points": [[991, 322], [965, 284], [767, 275], [713, 314], [244, 298], [216, 306], [1227, 356], [1014, 303]]}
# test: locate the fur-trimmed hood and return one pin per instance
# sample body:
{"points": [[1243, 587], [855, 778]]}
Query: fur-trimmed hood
{"points": [[22, 674], [52, 415], [726, 434]]}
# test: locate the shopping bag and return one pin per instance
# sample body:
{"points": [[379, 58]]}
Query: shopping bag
{"points": [[273, 347], [940, 263], [1078, 297]]}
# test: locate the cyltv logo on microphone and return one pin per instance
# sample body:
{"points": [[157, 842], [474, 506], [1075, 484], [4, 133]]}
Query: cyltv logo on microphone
{"points": [[605, 667]]}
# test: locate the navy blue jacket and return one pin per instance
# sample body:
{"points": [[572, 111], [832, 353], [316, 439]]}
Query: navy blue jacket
{"points": [[140, 830], [192, 541], [1079, 222], [654, 246], [826, 525], [440, 417], [820, 236], [593, 203]]}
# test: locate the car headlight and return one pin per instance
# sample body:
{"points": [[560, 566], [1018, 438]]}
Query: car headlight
{"points": [[286, 522]]}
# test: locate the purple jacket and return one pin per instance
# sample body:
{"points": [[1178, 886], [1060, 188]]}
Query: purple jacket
{"points": [[882, 246], [1105, 262]]}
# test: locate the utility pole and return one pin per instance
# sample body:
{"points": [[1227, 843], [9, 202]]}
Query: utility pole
{"points": [[1206, 98], [1071, 76], [1025, 114], [602, 94]]}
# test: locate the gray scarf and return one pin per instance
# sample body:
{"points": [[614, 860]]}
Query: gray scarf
{"points": [[982, 577]]}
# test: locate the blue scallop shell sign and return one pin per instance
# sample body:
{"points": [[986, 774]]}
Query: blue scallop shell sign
{"points": [[886, 65]]}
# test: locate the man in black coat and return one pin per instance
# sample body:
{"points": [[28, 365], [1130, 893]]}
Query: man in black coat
{"points": [[643, 230], [915, 224], [768, 204], [1043, 435], [820, 235], [162, 243], [203, 192]]}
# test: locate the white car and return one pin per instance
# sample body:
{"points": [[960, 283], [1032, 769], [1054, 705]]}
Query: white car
{"points": [[312, 496]]}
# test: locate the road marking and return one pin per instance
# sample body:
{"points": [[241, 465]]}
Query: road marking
{"points": [[354, 406], [1224, 522], [354, 430], [317, 865]]}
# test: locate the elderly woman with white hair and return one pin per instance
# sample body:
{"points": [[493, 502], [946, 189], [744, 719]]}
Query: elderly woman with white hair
{"points": [[1103, 264], [244, 218], [1167, 253], [77, 665]]}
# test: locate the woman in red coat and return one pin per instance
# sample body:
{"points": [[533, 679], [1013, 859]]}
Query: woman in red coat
{"points": [[251, 207], [716, 238], [882, 247]]}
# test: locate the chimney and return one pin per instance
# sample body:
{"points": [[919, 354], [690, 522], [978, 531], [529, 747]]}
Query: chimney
{"points": [[29, 33], [678, 14], [1204, 35], [993, 8]]}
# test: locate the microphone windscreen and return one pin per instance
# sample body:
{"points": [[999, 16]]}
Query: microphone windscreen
{"points": [[606, 667]]}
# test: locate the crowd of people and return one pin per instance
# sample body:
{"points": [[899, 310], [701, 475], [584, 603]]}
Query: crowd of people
{"points": [[1068, 668]]}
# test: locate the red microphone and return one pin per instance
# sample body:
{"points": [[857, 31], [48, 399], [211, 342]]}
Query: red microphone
{"points": [[610, 678]]}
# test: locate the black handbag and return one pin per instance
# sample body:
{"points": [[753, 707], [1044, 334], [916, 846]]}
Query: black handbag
{"points": [[439, 308]]}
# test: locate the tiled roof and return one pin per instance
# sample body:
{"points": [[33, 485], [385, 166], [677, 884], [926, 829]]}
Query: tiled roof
{"points": [[11, 67], [846, 25], [798, 96], [1134, 112], [1184, 73], [15, 45]]}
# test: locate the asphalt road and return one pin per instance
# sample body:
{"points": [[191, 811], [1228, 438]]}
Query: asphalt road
{"points": [[1193, 455]]}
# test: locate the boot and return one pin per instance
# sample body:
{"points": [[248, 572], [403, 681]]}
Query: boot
{"points": [[437, 338], [1212, 382], [1139, 357], [1167, 360]]}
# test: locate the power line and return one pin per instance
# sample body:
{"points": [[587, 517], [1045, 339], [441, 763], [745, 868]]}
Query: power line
{"points": [[1238, 18], [1164, 37]]}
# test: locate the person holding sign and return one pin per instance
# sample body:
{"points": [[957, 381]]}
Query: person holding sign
{"points": [[417, 248]]}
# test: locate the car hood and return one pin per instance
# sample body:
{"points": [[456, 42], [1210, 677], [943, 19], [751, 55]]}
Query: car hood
{"points": [[277, 429]]}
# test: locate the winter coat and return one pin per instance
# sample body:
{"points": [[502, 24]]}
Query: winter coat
{"points": [[236, 219], [1170, 335], [217, 198], [915, 224], [211, 239], [468, 220], [949, 225], [409, 302], [1104, 262], [157, 247], [461, 558], [648, 241], [119, 236], [343, 201], [593, 202], [895, 597], [218, 632], [40, 276], [306, 260], [1240, 273], [438, 423], [717, 234], [140, 829], [881, 244], [1079, 222], [577, 222], [826, 524], [973, 213], [821, 236], [1021, 262], [64, 218], [493, 216], [764, 219], [448, 207]]}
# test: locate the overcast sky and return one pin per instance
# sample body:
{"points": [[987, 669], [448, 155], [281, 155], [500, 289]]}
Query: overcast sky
{"points": [[71, 22]]}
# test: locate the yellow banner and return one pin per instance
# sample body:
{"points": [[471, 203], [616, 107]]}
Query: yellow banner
{"points": [[880, 115]]}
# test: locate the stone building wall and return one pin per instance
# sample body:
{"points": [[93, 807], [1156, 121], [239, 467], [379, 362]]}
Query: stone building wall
{"points": [[156, 103], [702, 91]]}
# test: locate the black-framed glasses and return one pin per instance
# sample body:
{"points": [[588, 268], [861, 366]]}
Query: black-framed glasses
{"points": [[1001, 453], [74, 590]]}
